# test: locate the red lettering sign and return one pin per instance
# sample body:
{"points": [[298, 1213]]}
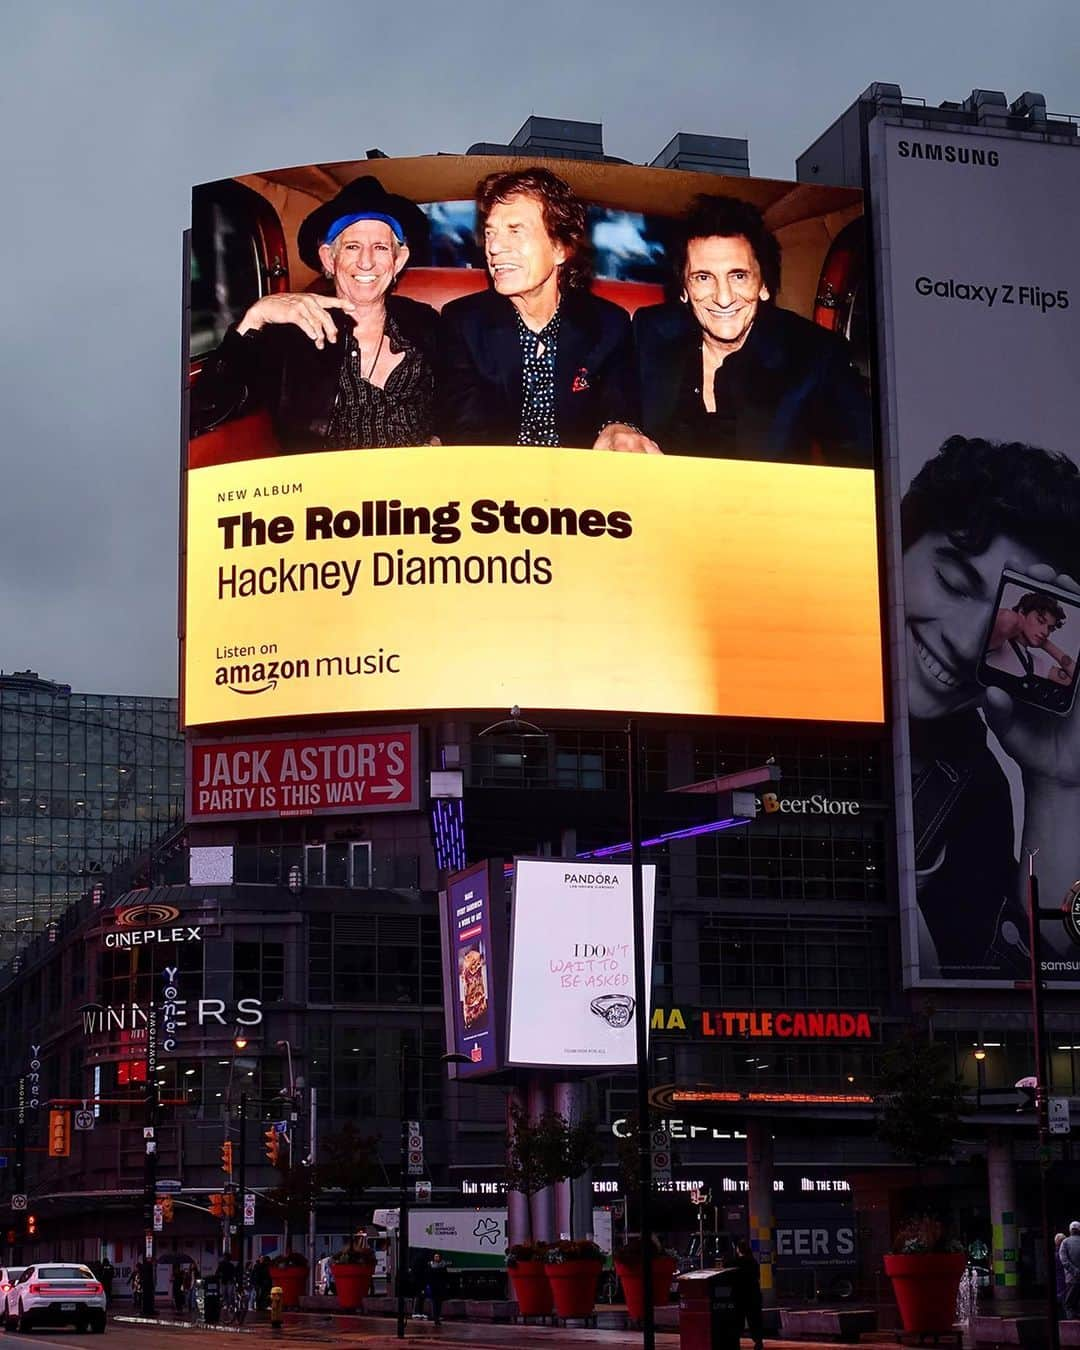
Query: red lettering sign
{"points": [[810, 1026], [345, 772]]}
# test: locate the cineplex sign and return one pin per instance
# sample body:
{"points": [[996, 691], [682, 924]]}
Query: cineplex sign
{"points": [[759, 1025]]}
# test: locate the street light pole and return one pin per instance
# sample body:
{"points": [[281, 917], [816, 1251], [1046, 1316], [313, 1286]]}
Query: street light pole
{"points": [[403, 1199], [641, 1030], [1042, 1105]]}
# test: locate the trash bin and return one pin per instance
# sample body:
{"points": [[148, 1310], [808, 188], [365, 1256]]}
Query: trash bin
{"points": [[208, 1299], [708, 1319]]}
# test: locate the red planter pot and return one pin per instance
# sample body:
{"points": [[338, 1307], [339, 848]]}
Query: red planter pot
{"points": [[531, 1288], [290, 1280], [925, 1287], [573, 1286], [632, 1279], [352, 1282]]}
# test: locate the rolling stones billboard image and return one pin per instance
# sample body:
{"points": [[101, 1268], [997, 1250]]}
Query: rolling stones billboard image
{"points": [[612, 422]]}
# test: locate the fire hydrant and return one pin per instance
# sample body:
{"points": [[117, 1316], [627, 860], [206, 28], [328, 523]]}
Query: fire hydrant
{"points": [[277, 1298]]}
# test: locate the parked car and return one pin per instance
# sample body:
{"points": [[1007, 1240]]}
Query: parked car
{"points": [[55, 1295]]}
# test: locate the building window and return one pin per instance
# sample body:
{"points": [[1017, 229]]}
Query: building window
{"points": [[259, 971]]}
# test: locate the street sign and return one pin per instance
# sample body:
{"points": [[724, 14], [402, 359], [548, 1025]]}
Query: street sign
{"points": [[416, 1141], [282, 1126], [18, 1200], [3, 1160], [249, 1211], [661, 1155], [423, 1191], [169, 1187], [1058, 1109], [416, 1163], [159, 1219], [84, 1120]]}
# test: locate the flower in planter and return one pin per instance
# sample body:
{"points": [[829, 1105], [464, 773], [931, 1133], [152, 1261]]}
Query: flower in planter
{"points": [[355, 1254], [923, 1234], [289, 1259], [526, 1251], [579, 1250]]}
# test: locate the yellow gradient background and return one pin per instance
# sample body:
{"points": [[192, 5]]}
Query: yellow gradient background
{"points": [[745, 590]]}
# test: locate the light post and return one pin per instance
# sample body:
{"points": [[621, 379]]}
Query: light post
{"points": [[403, 1180]]}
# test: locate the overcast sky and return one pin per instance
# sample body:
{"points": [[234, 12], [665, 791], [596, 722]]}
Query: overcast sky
{"points": [[111, 110]]}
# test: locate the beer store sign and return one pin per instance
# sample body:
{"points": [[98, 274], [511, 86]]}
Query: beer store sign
{"points": [[781, 1024], [141, 925]]}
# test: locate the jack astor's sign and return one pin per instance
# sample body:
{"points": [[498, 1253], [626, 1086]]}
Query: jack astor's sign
{"points": [[772, 1025]]}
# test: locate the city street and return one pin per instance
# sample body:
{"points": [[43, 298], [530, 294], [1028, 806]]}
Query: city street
{"points": [[373, 1334]]}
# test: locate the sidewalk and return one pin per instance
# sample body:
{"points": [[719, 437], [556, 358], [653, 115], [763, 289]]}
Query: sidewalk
{"points": [[379, 1333]]}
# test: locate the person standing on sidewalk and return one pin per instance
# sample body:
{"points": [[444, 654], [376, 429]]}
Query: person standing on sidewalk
{"points": [[747, 1290], [438, 1277], [1069, 1256]]}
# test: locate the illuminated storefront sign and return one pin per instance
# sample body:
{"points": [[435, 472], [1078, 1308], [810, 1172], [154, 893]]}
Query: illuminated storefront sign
{"points": [[127, 1016], [817, 805], [133, 930], [778, 1025]]}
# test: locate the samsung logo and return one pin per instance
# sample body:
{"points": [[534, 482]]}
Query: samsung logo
{"points": [[946, 154]]}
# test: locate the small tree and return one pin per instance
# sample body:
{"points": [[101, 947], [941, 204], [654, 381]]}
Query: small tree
{"points": [[921, 1101], [347, 1162], [548, 1150]]}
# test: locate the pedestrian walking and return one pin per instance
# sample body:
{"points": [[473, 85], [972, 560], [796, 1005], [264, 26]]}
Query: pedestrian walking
{"points": [[747, 1291]]}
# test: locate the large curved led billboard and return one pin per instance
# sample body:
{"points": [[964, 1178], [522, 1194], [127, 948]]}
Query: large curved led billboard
{"points": [[471, 432]]}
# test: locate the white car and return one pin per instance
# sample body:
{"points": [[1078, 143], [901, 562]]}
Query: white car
{"points": [[55, 1294], [8, 1276]]}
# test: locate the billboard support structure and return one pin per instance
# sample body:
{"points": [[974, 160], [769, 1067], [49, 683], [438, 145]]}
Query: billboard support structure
{"points": [[641, 1028]]}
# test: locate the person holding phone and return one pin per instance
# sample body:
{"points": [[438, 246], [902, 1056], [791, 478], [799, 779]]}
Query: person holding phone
{"points": [[974, 510]]}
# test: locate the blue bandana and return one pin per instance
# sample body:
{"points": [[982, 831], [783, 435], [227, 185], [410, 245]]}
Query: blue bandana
{"points": [[343, 223]]}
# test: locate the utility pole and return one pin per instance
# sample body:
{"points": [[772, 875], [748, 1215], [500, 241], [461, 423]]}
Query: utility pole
{"points": [[238, 1202], [403, 1201], [311, 1187], [641, 1030], [1042, 1103]]}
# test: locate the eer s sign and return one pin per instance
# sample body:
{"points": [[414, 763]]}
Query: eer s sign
{"points": [[272, 776]]}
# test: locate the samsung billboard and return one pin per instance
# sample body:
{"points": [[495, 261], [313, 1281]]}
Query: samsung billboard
{"points": [[471, 432], [980, 291]]}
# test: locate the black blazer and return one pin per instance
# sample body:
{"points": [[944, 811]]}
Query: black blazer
{"points": [[479, 372], [799, 397], [280, 369]]}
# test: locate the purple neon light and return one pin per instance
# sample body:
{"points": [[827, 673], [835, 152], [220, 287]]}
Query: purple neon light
{"points": [[689, 833]]}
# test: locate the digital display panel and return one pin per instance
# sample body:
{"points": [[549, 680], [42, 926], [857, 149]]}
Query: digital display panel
{"points": [[595, 439]]}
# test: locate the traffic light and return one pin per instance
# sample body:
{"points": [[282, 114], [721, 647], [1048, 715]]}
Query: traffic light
{"points": [[165, 1203], [31, 1225], [59, 1134], [230, 1204], [272, 1145], [217, 1205], [226, 1157]]}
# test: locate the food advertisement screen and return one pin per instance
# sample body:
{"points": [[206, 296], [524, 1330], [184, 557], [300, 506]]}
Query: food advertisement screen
{"points": [[474, 968], [614, 423]]}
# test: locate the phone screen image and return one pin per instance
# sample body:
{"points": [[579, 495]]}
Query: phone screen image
{"points": [[1032, 645]]}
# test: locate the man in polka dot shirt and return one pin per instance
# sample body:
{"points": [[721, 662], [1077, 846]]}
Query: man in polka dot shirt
{"points": [[537, 359]]}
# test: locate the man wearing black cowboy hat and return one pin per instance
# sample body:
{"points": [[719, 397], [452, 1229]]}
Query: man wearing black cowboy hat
{"points": [[350, 370]]}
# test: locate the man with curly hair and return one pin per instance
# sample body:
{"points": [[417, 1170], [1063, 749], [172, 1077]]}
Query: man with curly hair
{"points": [[974, 509], [536, 359], [728, 373]]}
